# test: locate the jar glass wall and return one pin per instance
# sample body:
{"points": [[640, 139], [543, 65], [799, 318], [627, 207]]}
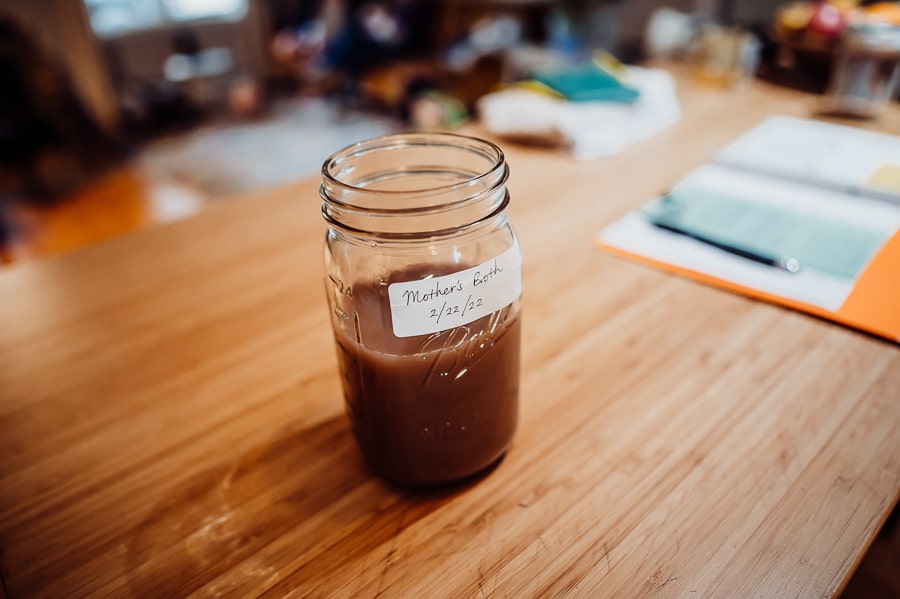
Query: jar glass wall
{"points": [[423, 277]]}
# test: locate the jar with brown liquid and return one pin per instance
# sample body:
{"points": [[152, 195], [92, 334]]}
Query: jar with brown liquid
{"points": [[423, 277]]}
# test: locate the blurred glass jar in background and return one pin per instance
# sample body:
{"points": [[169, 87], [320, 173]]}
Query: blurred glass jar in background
{"points": [[867, 70]]}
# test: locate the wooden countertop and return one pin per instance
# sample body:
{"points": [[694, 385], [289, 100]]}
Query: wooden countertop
{"points": [[171, 420]]}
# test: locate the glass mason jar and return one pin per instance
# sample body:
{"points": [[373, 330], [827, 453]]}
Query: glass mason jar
{"points": [[867, 71], [423, 277]]}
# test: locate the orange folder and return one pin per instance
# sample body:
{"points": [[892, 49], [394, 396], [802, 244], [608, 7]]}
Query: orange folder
{"points": [[872, 306], [794, 157]]}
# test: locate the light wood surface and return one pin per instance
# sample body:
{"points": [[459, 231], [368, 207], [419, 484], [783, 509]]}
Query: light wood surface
{"points": [[171, 421]]}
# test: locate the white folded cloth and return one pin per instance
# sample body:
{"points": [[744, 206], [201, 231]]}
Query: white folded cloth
{"points": [[589, 129]]}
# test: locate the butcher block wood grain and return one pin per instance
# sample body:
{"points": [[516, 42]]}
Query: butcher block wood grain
{"points": [[171, 420]]}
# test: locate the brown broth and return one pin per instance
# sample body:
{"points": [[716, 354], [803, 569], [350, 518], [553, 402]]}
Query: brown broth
{"points": [[435, 408]]}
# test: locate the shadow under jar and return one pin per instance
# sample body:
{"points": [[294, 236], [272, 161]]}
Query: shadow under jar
{"points": [[423, 277]]}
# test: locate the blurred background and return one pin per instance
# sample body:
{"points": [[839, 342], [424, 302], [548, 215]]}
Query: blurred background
{"points": [[119, 114], [122, 114]]}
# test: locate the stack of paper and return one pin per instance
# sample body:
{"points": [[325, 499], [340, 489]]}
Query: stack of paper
{"points": [[814, 195]]}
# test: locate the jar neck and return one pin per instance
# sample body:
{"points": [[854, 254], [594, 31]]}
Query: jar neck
{"points": [[414, 185]]}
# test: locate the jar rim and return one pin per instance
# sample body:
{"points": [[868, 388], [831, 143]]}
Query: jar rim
{"points": [[476, 145]]}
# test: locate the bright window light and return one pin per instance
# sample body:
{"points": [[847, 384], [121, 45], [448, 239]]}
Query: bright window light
{"points": [[187, 10], [109, 17], [113, 17]]}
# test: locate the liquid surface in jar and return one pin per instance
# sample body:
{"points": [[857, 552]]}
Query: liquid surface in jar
{"points": [[435, 408]]}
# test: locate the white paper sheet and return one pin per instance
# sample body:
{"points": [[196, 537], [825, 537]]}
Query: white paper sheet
{"points": [[635, 235], [821, 154]]}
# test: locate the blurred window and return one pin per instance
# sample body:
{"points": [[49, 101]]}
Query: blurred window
{"points": [[113, 17], [187, 10]]}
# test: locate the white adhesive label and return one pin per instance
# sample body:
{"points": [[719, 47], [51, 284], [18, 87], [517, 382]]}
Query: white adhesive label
{"points": [[440, 303]]}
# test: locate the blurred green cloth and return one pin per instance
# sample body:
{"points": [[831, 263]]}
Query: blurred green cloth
{"points": [[587, 83]]}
